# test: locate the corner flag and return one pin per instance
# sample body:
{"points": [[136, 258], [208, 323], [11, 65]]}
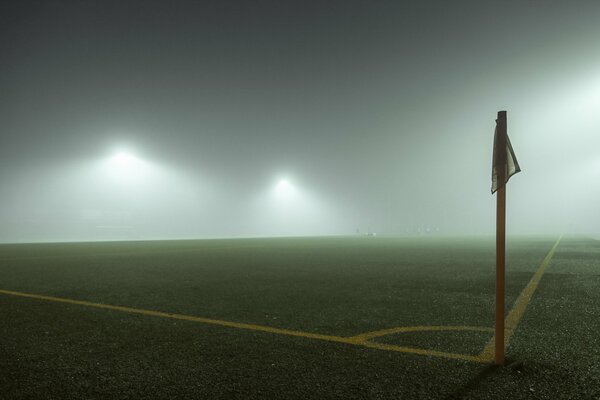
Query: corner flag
{"points": [[503, 157], [504, 165]]}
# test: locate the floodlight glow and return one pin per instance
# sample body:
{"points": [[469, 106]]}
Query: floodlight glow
{"points": [[126, 167], [124, 161], [289, 207], [284, 188]]}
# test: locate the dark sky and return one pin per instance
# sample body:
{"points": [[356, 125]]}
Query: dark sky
{"points": [[380, 114]]}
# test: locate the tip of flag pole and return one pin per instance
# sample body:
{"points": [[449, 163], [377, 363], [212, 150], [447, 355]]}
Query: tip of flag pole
{"points": [[501, 114]]}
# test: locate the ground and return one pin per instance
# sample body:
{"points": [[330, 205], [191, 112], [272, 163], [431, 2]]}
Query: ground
{"points": [[332, 317]]}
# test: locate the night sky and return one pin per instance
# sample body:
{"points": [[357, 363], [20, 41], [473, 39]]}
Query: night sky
{"points": [[379, 115]]}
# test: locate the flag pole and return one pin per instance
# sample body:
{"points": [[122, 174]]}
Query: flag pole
{"points": [[500, 238]]}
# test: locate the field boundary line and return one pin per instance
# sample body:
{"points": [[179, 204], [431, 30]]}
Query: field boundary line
{"points": [[182, 317], [424, 328], [358, 340], [513, 318]]}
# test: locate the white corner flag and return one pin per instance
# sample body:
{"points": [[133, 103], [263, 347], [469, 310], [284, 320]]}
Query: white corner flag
{"points": [[502, 160]]}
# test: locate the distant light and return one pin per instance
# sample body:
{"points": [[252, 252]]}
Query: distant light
{"points": [[126, 165], [284, 188], [124, 160]]}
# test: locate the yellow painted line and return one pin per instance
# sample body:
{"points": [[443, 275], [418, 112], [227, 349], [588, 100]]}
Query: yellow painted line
{"points": [[516, 313], [422, 352], [405, 329], [183, 317], [359, 340]]}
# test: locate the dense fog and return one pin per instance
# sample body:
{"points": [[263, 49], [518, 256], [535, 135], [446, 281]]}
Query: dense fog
{"points": [[171, 119]]}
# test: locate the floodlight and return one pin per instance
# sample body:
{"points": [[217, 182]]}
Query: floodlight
{"points": [[126, 166], [284, 188], [124, 161]]}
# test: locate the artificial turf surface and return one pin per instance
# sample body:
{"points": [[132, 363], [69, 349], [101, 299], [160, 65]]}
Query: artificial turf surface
{"points": [[340, 286]]}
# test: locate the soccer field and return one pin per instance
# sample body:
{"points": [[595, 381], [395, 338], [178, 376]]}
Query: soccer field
{"points": [[331, 317]]}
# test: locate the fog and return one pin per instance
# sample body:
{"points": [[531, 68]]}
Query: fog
{"points": [[133, 120]]}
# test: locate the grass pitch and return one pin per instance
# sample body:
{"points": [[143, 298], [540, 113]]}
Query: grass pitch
{"points": [[318, 287]]}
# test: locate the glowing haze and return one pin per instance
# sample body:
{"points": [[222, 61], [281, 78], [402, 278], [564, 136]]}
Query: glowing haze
{"points": [[153, 119]]}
